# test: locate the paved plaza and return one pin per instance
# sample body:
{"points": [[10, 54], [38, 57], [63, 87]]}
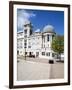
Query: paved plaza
{"points": [[36, 69]]}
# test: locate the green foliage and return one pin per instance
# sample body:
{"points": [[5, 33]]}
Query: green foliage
{"points": [[58, 44]]}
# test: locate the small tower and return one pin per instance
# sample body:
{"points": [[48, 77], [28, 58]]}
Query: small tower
{"points": [[27, 33], [48, 33], [27, 28]]}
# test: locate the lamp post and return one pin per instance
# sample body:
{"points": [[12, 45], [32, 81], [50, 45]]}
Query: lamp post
{"points": [[25, 46], [25, 53]]}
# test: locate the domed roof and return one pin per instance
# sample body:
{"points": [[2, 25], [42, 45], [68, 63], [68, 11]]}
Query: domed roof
{"points": [[49, 29]]}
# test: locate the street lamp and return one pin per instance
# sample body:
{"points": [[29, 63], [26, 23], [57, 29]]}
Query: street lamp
{"points": [[25, 53], [25, 44]]}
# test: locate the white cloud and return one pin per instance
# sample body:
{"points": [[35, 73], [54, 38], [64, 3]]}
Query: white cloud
{"points": [[23, 16], [37, 30]]}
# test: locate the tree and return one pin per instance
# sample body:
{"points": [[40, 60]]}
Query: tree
{"points": [[58, 45]]}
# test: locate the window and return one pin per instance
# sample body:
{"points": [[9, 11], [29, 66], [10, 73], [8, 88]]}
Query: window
{"points": [[25, 44], [48, 45], [29, 39], [20, 51], [25, 25], [52, 37], [25, 53], [38, 37], [25, 41], [29, 46], [17, 35], [21, 40], [17, 45], [21, 34], [33, 38], [25, 31], [25, 36], [53, 54], [29, 43], [20, 44], [17, 52], [37, 43], [43, 53], [44, 38], [48, 54], [30, 32], [33, 43], [47, 37], [37, 54]]}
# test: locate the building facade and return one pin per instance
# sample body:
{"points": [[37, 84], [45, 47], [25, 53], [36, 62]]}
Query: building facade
{"points": [[38, 44]]}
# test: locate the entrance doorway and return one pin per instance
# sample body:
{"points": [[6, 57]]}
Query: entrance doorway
{"points": [[17, 52], [30, 53]]}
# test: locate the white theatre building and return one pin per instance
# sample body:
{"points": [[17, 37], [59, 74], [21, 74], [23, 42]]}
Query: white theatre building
{"points": [[38, 44]]}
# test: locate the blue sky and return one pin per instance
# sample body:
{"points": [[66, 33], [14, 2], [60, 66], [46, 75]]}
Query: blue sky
{"points": [[40, 18]]}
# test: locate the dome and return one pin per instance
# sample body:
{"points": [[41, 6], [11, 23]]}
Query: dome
{"points": [[49, 29]]}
